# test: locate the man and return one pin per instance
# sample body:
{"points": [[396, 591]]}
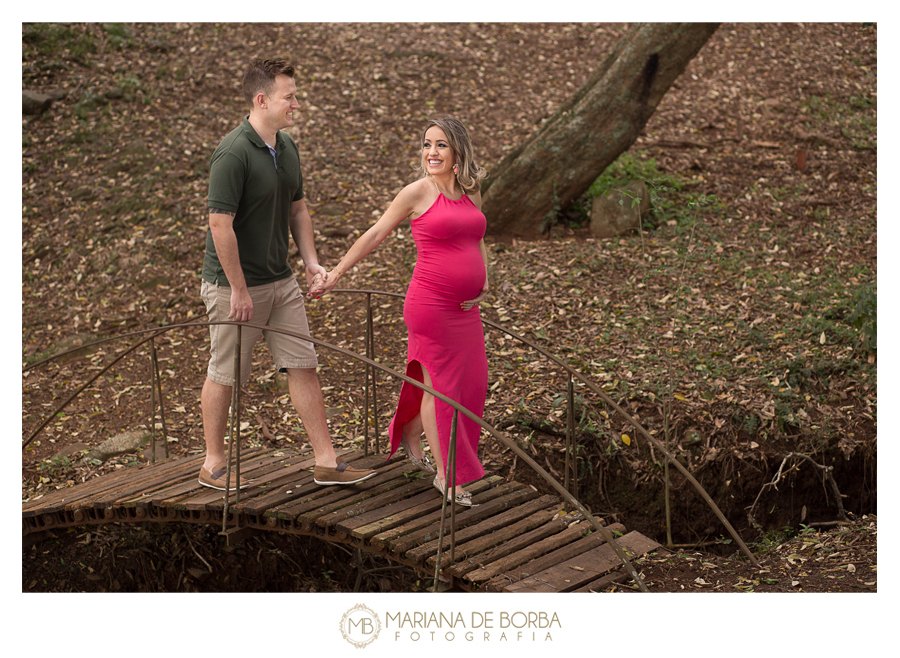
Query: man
{"points": [[255, 201]]}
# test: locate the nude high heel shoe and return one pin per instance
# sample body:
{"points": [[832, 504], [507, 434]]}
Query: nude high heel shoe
{"points": [[463, 498], [423, 464]]}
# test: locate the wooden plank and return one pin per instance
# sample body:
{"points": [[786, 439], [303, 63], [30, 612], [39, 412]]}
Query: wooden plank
{"points": [[82, 495], [203, 498], [475, 539], [385, 513], [481, 491], [528, 553], [172, 496], [589, 541], [364, 491], [292, 482], [279, 493], [397, 515], [55, 500], [465, 517], [329, 495], [156, 478], [424, 514], [514, 547], [564, 577], [507, 540], [583, 545], [361, 506], [145, 479], [599, 585], [189, 486], [584, 568]]}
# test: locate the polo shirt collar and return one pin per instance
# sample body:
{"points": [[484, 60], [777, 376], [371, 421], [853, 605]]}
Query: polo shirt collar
{"points": [[254, 137]]}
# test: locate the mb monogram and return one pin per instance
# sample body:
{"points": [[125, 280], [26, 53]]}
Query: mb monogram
{"points": [[360, 625]]}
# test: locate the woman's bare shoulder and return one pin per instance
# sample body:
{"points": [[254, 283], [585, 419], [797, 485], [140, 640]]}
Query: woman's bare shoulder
{"points": [[421, 187], [420, 196]]}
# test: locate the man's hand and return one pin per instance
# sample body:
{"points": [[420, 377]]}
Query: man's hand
{"points": [[241, 305], [324, 285], [316, 275]]}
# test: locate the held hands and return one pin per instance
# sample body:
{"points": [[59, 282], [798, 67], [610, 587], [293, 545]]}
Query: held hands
{"points": [[315, 279], [322, 284]]}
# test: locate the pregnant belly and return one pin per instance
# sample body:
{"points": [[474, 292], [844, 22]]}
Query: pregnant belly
{"points": [[455, 280]]}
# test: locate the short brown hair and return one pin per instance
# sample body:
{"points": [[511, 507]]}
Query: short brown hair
{"points": [[260, 77]]}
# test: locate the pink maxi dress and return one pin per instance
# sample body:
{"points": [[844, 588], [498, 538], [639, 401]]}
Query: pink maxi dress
{"points": [[448, 341]]}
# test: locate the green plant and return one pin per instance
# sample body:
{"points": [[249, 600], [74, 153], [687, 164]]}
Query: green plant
{"points": [[56, 466], [120, 35], [864, 316], [772, 539], [628, 167], [56, 41]]}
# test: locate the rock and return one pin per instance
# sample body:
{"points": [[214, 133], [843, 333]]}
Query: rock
{"points": [[35, 103], [120, 444], [330, 211], [338, 232], [612, 213]]}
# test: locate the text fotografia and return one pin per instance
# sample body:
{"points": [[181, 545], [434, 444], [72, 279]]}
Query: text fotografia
{"points": [[479, 626]]}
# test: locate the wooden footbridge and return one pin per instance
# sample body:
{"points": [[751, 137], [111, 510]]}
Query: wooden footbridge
{"points": [[512, 540]]}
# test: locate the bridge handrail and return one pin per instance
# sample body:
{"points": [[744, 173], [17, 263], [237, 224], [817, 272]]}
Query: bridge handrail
{"points": [[458, 408], [612, 403]]}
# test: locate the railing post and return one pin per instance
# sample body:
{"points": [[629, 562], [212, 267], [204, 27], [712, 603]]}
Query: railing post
{"points": [[234, 431], [570, 437], [370, 352], [155, 379], [152, 402], [448, 487], [366, 406], [453, 453]]}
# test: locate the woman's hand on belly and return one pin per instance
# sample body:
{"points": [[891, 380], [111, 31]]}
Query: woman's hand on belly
{"points": [[468, 304]]}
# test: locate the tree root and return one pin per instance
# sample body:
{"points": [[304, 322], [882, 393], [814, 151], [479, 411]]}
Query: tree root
{"points": [[826, 475]]}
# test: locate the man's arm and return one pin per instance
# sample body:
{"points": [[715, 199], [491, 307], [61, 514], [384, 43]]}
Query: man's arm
{"points": [[225, 241], [302, 233]]}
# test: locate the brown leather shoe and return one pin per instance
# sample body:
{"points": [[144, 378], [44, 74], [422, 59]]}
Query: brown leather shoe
{"points": [[343, 473], [215, 479]]}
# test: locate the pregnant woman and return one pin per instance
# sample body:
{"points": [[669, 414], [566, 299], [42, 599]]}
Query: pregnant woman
{"points": [[446, 339]]}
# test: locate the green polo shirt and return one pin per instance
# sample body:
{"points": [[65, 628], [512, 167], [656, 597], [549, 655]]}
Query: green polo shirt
{"points": [[243, 179]]}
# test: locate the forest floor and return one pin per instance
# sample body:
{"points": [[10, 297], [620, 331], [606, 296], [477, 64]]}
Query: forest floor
{"points": [[743, 318]]}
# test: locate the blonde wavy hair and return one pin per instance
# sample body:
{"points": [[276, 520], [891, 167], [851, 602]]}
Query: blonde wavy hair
{"points": [[470, 173]]}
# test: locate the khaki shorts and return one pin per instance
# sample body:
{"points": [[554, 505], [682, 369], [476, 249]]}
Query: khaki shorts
{"points": [[278, 305]]}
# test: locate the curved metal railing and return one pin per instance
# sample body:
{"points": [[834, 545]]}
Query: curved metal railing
{"points": [[570, 430], [371, 367]]}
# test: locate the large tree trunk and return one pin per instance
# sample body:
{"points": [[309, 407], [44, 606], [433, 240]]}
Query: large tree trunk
{"points": [[559, 162]]}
